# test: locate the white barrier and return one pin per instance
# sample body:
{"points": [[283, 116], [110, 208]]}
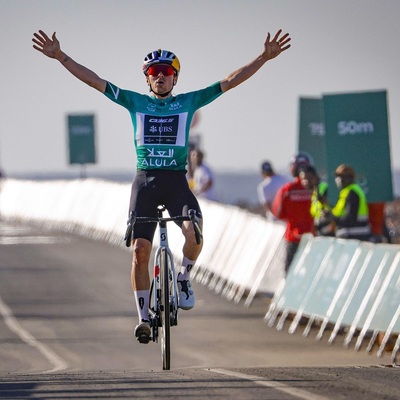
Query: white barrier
{"points": [[241, 253], [91, 207], [343, 284]]}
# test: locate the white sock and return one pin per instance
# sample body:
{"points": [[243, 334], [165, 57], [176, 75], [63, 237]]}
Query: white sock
{"points": [[187, 266], [142, 304]]}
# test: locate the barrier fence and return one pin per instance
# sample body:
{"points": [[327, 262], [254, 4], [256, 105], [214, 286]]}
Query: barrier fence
{"points": [[340, 286], [241, 251]]}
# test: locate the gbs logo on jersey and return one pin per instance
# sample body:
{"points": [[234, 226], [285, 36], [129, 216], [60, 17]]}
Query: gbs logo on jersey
{"points": [[161, 130]]}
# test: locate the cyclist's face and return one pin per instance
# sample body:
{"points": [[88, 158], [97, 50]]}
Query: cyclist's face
{"points": [[161, 82]]}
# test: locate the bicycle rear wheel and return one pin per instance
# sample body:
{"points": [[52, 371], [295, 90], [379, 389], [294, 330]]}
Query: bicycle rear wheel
{"points": [[165, 309]]}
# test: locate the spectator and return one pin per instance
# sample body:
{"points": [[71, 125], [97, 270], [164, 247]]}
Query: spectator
{"points": [[268, 187], [189, 166], [203, 179], [292, 204], [377, 221], [351, 210], [319, 201]]}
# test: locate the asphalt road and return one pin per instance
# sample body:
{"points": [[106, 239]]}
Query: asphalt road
{"points": [[67, 316]]}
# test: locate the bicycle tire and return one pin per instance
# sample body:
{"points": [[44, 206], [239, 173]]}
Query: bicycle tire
{"points": [[165, 310], [154, 315]]}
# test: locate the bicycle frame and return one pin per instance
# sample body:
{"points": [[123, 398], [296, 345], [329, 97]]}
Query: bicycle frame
{"points": [[163, 247], [163, 309]]}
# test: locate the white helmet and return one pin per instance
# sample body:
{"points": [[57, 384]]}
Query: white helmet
{"points": [[161, 57]]}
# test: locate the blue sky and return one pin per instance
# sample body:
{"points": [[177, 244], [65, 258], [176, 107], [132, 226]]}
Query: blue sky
{"points": [[337, 46]]}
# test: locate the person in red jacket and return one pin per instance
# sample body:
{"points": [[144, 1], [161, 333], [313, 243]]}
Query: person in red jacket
{"points": [[292, 205]]}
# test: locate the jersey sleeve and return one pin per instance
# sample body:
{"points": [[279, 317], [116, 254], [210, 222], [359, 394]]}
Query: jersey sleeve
{"points": [[207, 95], [124, 98]]}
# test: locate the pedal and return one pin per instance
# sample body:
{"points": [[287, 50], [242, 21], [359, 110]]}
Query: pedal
{"points": [[144, 339], [142, 334]]}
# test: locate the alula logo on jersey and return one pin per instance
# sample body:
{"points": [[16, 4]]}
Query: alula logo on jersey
{"points": [[159, 158], [161, 130]]}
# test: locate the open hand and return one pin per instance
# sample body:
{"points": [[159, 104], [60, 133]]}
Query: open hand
{"points": [[274, 47], [47, 46]]}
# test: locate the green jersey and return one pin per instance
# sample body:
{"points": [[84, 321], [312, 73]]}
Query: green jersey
{"points": [[161, 126]]}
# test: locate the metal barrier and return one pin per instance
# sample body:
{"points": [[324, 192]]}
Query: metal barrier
{"points": [[337, 284], [342, 286]]}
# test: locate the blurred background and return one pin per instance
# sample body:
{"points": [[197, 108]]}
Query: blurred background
{"points": [[341, 46]]}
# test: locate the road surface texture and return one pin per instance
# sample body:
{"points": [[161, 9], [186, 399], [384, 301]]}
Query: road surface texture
{"points": [[66, 321]]}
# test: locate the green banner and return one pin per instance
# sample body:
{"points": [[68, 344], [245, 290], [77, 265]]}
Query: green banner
{"points": [[81, 139], [312, 133], [357, 133]]}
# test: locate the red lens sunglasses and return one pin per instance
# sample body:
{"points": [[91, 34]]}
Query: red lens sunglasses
{"points": [[166, 70]]}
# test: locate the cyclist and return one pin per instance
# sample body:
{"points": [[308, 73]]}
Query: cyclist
{"points": [[161, 123]]}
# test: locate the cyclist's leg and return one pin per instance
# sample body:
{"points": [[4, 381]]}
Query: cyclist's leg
{"points": [[141, 285], [142, 243], [191, 249], [140, 274], [179, 205]]}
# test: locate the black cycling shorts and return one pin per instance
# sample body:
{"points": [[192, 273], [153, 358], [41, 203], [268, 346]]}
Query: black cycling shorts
{"points": [[160, 187]]}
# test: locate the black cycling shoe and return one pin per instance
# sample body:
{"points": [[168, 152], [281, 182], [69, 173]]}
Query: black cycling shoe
{"points": [[143, 332]]}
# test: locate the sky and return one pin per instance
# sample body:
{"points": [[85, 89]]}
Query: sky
{"points": [[337, 47]]}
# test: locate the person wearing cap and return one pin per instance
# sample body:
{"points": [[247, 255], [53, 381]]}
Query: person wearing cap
{"points": [[350, 213], [161, 123], [268, 188], [292, 204]]}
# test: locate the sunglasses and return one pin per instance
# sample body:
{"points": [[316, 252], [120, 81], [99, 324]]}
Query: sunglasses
{"points": [[155, 70]]}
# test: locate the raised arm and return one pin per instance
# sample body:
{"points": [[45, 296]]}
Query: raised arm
{"points": [[272, 49], [51, 48]]}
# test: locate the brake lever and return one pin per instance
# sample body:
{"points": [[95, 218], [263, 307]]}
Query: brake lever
{"points": [[197, 231], [129, 229]]}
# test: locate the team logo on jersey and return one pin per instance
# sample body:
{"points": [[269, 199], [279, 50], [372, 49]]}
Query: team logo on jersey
{"points": [[159, 158], [161, 130]]}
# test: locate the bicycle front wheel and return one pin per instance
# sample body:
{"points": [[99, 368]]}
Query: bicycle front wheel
{"points": [[165, 309]]}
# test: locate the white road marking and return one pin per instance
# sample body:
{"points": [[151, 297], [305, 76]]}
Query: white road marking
{"points": [[295, 392], [12, 323], [58, 363]]}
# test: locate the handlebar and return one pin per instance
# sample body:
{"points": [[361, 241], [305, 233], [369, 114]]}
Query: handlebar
{"points": [[133, 219]]}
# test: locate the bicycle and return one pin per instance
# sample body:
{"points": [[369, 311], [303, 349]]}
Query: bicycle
{"points": [[164, 303]]}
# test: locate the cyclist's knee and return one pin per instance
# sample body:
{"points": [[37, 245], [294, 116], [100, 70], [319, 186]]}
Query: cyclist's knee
{"points": [[141, 251]]}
